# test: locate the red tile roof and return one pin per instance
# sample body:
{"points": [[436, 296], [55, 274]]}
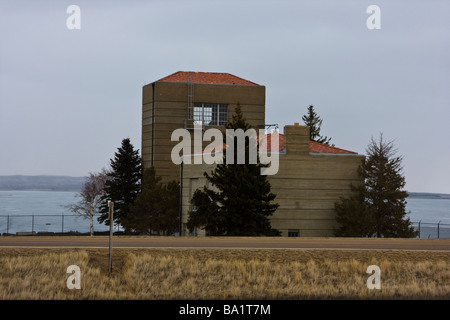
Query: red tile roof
{"points": [[314, 147], [265, 142], [207, 77]]}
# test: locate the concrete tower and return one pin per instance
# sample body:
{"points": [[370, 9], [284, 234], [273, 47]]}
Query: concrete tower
{"points": [[185, 99]]}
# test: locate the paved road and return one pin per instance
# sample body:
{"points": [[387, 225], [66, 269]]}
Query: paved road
{"points": [[227, 242]]}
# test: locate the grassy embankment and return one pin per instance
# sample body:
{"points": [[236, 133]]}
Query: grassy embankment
{"points": [[223, 274]]}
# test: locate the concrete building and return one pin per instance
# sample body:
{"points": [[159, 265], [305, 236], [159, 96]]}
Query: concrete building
{"points": [[185, 99], [311, 176], [310, 179]]}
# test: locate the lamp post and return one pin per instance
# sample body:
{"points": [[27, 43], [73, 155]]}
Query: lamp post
{"points": [[111, 223]]}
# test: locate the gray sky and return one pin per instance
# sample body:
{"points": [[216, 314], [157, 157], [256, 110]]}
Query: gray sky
{"points": [[69, 97]]}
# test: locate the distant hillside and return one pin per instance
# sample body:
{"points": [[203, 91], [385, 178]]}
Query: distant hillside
{"points": [[66, 183], [425, 195], [41, 183]]}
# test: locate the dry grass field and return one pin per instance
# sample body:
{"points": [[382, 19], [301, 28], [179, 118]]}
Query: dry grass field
{"points": [[221, 274]]}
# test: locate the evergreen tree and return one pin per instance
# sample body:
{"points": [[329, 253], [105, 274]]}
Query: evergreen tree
{"points": [[123, 183], [355, 217], [314, 122], [241, 201], [156, 207], [379, 207]]}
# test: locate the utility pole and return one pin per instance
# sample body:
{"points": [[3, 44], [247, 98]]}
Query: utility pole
{"points": [[180, 209], [111, 223]]}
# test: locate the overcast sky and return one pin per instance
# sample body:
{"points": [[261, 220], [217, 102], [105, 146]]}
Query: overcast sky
{"points": [[69, 97]]}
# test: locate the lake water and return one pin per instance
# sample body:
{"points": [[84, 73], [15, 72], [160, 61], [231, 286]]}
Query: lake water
{"points": [[43, 211], [431, 215]]}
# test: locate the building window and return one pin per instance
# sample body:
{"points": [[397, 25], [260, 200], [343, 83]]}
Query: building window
{"points": [[210, 114], [293, 233]]}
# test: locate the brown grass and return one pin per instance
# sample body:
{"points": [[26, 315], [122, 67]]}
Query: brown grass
{"points": [[223, 274]]}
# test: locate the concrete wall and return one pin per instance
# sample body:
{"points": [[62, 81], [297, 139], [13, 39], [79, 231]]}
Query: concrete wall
{"points": [[193, 179], [307, 185], [165, 109]]}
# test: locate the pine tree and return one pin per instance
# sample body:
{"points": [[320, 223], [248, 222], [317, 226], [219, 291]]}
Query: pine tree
{"points": [[379, 207], [354, 216], [123, 184], [314, 122], [146, 205], [156, 207], [241, 201]]}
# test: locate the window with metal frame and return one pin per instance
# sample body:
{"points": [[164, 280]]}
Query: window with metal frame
{"points": [[210, 114]]}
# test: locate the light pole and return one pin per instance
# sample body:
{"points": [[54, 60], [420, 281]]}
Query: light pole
{"points": [[111, 223]]}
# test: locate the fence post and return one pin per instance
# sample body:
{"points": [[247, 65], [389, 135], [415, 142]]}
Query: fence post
{"points": [[438, 227], [419, 227], [7, 225], [62, 223], [32, 223]]}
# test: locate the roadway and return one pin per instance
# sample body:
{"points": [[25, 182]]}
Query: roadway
{"points": [[225, 242]]}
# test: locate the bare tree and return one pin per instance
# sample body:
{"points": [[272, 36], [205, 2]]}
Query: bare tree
{"points": [[90, 197]]}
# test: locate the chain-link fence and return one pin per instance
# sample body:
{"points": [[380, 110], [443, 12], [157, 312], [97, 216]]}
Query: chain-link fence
{"points": [[432, 230], [47, 224], [76, 224]]}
